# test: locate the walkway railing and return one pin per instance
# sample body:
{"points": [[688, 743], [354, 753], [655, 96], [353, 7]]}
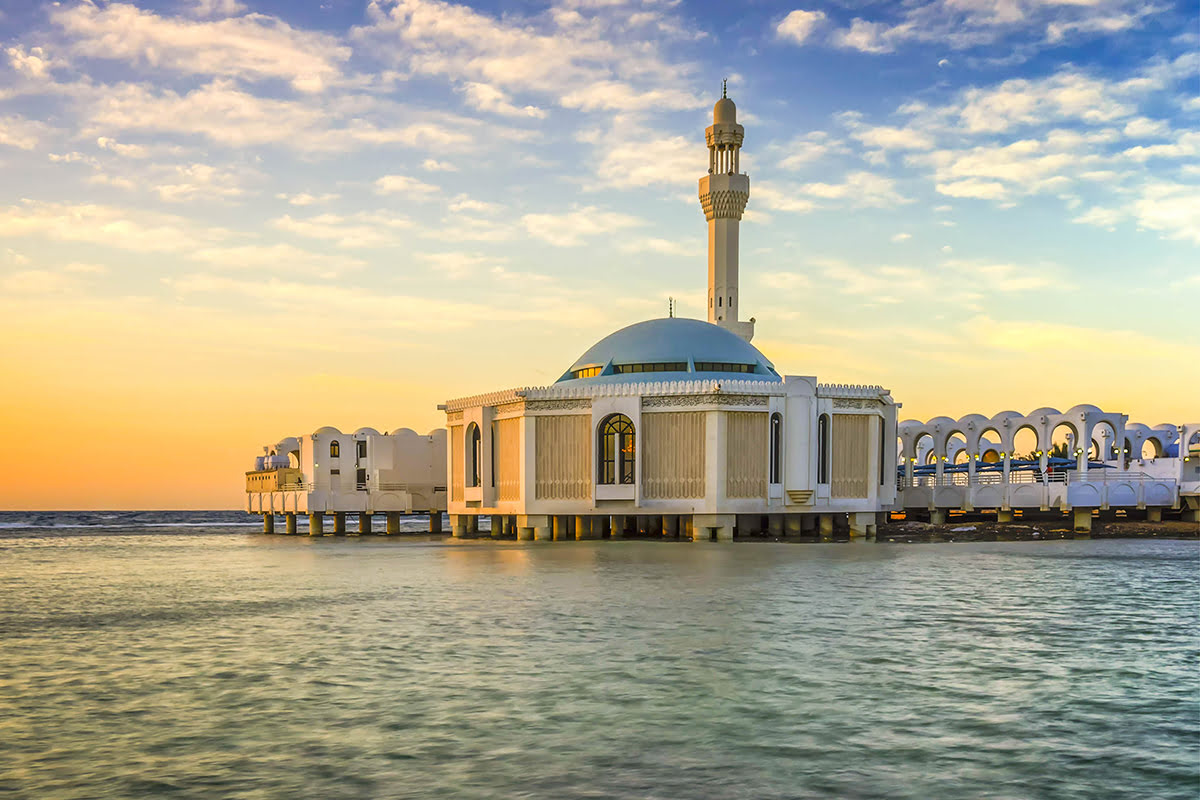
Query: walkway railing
{"points": [[1026, 477]]}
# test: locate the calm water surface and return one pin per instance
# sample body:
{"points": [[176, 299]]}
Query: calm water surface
{"points": [[208, 661]]}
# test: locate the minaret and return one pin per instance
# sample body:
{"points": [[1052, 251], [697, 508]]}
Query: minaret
{"points": [[723, 195]]}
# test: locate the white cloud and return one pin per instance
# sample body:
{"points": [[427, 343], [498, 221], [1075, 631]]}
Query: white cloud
{"points": [[484, 97], [901, 237], [809, 148], [306, 199], [86, 268], [223, 113], [191, 181], [403, 184], [463, 202], [364, 229], [778, 197], [567, 52], [864, 36], [1170, 208], [573, 227], [33, 63], [217, 8], [798, 25], [104, 225], [973, 187], [20, 132], [669, 247], [248, 47], [860, 189], [433, 165], [639, 157], [457, 265]]}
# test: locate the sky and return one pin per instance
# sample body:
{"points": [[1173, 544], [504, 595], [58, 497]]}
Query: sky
{"points": [[223, 222]]}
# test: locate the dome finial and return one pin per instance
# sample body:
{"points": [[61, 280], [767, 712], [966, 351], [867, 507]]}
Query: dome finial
{"points": [[724, 86]]}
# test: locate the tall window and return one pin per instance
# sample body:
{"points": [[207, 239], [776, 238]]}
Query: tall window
{"points": [[335, 449], [474, 448], [882, 457], [362, 448], [823, 449], [776, 447], [616, 450]]}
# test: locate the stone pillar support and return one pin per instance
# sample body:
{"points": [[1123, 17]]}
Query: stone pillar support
{"points": [[826, 526], [290, 521], [458, 526], [793, 525], [268, 523], [709, 526], [364, 522], [1004, 516], [339, 522], [1083, 520], [937, 517], [392, 522], [435, 521], [618, 526], [316, 523], [671, 526], [1154, 515]]}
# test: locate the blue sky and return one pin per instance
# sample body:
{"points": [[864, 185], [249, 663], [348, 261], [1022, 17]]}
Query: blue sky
{"points": [[980, 205]]}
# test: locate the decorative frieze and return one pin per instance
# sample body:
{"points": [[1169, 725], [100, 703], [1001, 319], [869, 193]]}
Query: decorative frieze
{"points": [[843, 402], [453, 416], [707, 400], [558, 405]]}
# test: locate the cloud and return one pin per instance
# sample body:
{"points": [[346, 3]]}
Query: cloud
{"points": [[810, 148], [640, 157], [403, 184], [223, 113], [798, 25], [306, 199], [573, 227], [901, 237], [464, 203], [433, 165], [669, 247], [33, 63], [483, 97], [565, 54], [364, 229], [191, 181], [859, 189], [251, 47], [107, 226], [21, 133], [1172, 209], [865, 37], [458, 265], [973, 187]]}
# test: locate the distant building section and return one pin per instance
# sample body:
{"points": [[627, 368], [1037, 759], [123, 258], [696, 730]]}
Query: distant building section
{"points": [[365, 472]]}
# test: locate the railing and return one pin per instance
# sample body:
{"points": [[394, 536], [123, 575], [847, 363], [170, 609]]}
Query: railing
{"points": [[1026, 477]]}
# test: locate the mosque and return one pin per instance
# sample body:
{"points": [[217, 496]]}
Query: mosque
{"points": [[681, 428], [677, 427]]}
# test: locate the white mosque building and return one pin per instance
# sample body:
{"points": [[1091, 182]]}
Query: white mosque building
{"points": [[677, 427]]}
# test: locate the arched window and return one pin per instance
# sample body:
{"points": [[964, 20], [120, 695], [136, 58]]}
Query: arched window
{"points": [[616, 448], [776, 448], [474, 448], [823, 449], [335, 449]]}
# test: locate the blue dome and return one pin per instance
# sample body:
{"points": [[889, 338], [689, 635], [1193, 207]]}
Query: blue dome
{"points": [[671, 349]]}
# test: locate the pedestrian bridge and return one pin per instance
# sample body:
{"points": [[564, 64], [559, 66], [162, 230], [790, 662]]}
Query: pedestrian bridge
{"points": [[1083, 459]]}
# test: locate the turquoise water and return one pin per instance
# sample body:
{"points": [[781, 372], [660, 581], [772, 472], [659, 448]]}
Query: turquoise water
{"points": [[213, 662]]}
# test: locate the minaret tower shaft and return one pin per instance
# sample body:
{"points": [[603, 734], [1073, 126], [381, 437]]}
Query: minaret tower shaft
{"points": [[724, 192]]}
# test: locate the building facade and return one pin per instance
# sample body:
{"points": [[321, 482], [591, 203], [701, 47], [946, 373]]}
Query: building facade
{"points": [[364, 473]]}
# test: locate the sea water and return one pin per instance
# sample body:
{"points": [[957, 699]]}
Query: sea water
{"points": [[189, 656]]}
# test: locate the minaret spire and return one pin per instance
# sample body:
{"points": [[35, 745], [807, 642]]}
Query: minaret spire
{"points": [[724, 192]]}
